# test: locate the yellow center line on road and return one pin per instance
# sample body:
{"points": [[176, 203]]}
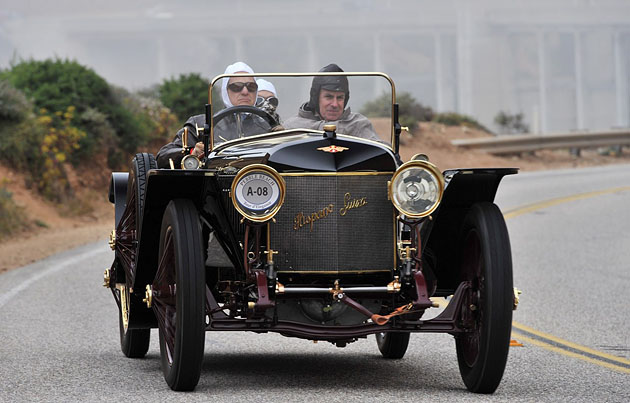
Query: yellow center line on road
{"points": [[548, 203], [571, 353], [548, 341], [559, 341]]}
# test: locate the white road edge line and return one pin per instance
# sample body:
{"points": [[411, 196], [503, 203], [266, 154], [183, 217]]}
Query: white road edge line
{"points": [[7, 296]]}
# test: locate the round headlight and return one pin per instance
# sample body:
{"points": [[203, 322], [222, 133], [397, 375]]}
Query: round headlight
{"points": [[416, 188], [258, 192], [190, 162]]}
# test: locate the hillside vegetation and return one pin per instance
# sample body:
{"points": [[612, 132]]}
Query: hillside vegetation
{"points": [[58, 118]]}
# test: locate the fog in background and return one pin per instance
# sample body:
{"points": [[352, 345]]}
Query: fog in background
{"points": [[565, 64]]}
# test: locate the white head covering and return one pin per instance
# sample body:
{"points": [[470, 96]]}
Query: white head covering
{"points": [[264, 85], [231, 69]]}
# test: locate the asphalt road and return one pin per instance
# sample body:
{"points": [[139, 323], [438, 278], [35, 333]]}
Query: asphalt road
{"points": [[571, 248]]}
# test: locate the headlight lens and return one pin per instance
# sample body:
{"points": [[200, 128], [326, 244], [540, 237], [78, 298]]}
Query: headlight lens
{"points": [[190, 162], [416, 188], [258, 192]]}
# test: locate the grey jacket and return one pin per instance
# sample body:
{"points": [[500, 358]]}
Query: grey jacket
{"points": [[353, 124], [225, 130]]}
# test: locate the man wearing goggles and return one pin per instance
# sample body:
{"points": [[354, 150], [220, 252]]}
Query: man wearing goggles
{"points": [[236, 91], [328, 104]]}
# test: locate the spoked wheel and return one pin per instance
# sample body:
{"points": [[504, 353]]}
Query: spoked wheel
{"points": [[133, 342], [392, 345], [487, 311], [179, 295]]}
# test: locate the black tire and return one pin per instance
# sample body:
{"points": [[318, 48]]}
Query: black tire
{"points": [[179, 295], [134, 343], [487, 263], [137, 185], [393, 345]]}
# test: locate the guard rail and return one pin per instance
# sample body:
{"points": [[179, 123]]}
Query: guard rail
{"points": [[515, 144]]}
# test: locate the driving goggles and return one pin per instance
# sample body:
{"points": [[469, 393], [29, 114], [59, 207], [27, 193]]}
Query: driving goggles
{"points": [[272, 101], [238, 87]]}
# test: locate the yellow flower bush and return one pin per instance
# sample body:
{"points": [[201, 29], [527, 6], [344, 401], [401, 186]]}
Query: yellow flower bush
{"points": [[57, 145]]}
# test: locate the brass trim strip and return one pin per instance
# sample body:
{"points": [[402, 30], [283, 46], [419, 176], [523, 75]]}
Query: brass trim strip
{"points": [[334, 173]]}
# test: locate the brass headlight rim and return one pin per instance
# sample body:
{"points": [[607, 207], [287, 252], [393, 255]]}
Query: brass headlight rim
{"points": [[190, 157], [274, 174], [424, 165]]}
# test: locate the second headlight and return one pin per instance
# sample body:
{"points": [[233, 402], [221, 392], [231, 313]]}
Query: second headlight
{"points": [[258, 192], [416, 188]]}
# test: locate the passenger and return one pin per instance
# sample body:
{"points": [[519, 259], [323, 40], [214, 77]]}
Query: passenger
{"points": [[236, 91], [267, 98], [327, 105]]}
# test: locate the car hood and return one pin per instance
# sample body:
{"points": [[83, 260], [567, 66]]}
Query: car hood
{"points": [[300, 150]]}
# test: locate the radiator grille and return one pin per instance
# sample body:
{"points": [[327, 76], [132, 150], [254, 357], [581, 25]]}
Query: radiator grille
{"points": [[311, 234]]}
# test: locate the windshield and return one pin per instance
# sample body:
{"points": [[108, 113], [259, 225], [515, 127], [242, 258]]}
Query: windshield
{"points": [[245, 105]]}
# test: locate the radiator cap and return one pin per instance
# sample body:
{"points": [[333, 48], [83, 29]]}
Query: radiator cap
{"points": [[330, 131]]}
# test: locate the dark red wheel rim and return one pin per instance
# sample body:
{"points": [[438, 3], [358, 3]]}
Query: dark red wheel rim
{"points": [[473, 319]]}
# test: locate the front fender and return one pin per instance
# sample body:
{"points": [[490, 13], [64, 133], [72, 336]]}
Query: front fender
{"points": [[464, 187]]}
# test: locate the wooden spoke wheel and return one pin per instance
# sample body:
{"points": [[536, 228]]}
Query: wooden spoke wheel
{"points": [[392, 345], [487, 310], [179, 295]]}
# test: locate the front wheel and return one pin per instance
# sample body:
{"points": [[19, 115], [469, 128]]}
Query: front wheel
{"points": [[392, 345], [179, 295], [487, 311]]}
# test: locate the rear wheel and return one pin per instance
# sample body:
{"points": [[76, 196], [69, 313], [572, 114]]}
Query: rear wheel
{"points": [[134, 343], [392, 345], [179, 295], [487, 311]]}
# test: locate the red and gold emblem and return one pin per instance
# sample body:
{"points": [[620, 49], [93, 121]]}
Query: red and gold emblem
{"points": [[333, 149]]}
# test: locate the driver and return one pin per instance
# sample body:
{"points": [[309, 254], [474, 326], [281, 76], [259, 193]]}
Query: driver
{"points": [[237, 91], [327, 105]]}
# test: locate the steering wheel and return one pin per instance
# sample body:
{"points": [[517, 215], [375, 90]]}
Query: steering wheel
{"points": [[245, 109]]}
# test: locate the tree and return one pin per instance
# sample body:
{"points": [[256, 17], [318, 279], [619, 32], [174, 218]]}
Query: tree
{"points": [[186, 95], [511, 124]]}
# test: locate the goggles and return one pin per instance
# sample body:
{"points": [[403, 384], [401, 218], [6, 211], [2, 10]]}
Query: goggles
{"points": [[273, 101], [238, 87]]}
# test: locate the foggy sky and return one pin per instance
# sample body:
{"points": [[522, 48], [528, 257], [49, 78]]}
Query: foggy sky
{"points": [[565, 64]]}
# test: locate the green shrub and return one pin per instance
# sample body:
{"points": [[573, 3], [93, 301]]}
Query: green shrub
{"points": [[56, 85], [14, 107], [187, 95], [511, 124], [12, 217], [57, 145], [457, 119], [20, 146], [410, 111]]}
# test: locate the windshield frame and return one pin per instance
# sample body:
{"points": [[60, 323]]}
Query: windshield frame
{"points": [[312, 74]]}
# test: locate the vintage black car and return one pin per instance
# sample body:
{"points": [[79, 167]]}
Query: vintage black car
{"points": [[315, 234]]}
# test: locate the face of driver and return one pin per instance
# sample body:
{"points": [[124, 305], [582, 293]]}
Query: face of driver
{"points": [[245, 96], [331, 104]]}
